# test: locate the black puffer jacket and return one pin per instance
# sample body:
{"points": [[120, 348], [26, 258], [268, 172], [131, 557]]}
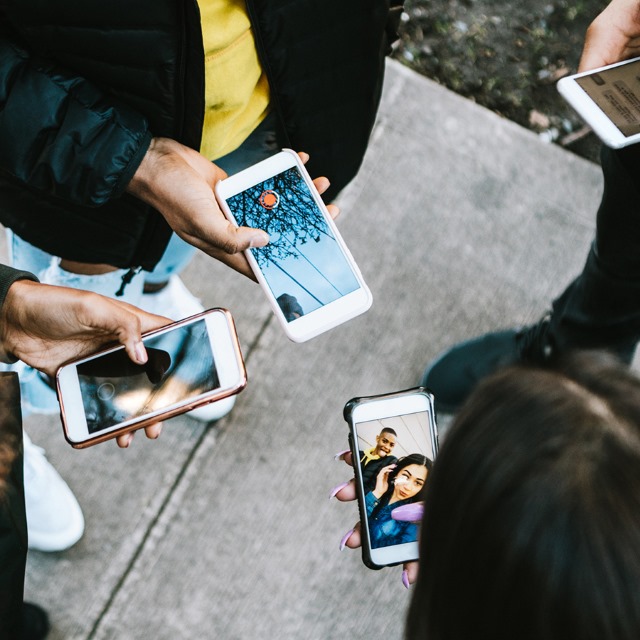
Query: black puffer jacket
{"points": [[84, 85]]}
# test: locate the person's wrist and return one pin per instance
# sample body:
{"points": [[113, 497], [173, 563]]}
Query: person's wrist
{"points": [[140, 184], [13, 305]]}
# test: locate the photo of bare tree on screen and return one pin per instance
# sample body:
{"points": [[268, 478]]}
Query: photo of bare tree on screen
{"points": [[303, 262]]}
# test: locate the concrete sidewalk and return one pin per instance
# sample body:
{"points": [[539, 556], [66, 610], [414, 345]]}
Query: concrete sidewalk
{"points": [[461, 222]]}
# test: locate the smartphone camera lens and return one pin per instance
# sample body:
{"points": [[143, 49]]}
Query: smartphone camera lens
{"points": [[106, 391]]}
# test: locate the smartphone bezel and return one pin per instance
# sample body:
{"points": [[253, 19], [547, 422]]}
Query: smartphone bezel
{"points": [[230, 368], [330, 315], [589, 110], [362, 410]]}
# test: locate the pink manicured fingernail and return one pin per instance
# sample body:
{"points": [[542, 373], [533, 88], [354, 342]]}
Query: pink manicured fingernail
{"points": [[405, 579], [408, 512], [345, 537], [337, 489], [340, 455]]}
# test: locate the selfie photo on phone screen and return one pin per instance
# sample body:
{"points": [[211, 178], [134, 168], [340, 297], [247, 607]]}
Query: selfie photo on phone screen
{"points": [[303, 264], [395, 456]]}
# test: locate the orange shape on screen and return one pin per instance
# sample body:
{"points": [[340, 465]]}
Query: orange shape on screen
{"points": [[269, 199]]}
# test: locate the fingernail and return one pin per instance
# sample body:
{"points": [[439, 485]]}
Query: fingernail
{"points": [[340, 455], [345, 537], [337, 489], [405, 579], [259, 239], [141, 354], [409, 512]]}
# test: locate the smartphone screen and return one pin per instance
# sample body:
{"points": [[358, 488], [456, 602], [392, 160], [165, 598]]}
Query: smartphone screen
{"points": [[303, 264], [616, 91], [114, 389], [395, 455]]}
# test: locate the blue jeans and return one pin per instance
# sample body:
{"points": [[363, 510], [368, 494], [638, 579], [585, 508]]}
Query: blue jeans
{"points": [[259, 145]]}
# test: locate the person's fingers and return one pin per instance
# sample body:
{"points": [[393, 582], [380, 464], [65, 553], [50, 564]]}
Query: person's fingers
{"points": [[345, 455], [408, 512], [243, 238], [409, 573], [238, 262], [220, 236], [152, 432], [334, 211], [599, 50], [352, 538], [613, 36], [321, 184], [125, 440], [344, 492], [128, 323]]}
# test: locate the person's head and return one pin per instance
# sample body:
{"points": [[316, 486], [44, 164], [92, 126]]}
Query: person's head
{"points": [[385, 442], [532, 511], [408, 480], [290, 306]]}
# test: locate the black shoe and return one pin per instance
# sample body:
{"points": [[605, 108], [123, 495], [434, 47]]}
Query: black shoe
{"points": [[452, 376], [35, 622]]}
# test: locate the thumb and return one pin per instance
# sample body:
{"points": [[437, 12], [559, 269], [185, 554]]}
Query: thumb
{"points": [[129, 323], [242, 238]]}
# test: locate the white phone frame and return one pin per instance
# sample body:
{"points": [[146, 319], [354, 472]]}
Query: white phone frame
{"points": [[229, 368], [378, 409], [330, 315], [590, 112]]}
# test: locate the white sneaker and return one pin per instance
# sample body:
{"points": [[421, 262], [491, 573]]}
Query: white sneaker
{"points": [[54, 518], [213, 411], [175, 301]]}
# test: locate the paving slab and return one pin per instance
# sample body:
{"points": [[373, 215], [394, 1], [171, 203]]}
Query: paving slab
{"points": [[461, 222]]}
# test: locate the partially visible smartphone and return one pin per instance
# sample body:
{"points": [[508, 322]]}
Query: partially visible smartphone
{"points": [[608, 99], [191, 363], [394, 441], [310, 278]]}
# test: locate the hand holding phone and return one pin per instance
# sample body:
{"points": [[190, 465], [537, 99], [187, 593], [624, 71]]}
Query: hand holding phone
{"points": [[306, 270], [393, 442], [608, 99], [190, 363], [612, 36]]}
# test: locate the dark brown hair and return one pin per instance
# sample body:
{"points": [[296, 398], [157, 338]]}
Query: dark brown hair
{"points": [[532, 511]]}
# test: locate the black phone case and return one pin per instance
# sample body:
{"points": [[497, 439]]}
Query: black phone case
{"points": [[348, 416]]}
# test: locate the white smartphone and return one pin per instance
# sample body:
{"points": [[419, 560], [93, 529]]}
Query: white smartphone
{"points": [[608, 99], [306, 270], [394, 441], [191, 363]]}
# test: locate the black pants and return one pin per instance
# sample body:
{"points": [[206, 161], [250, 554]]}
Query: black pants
{"points": [[13, 521], [601, 308]]}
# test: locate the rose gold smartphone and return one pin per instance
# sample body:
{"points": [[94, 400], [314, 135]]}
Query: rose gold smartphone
{"points": [[191, 363]]}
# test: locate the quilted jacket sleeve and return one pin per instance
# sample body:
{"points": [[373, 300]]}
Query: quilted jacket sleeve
{"points": [[61, 135]]}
